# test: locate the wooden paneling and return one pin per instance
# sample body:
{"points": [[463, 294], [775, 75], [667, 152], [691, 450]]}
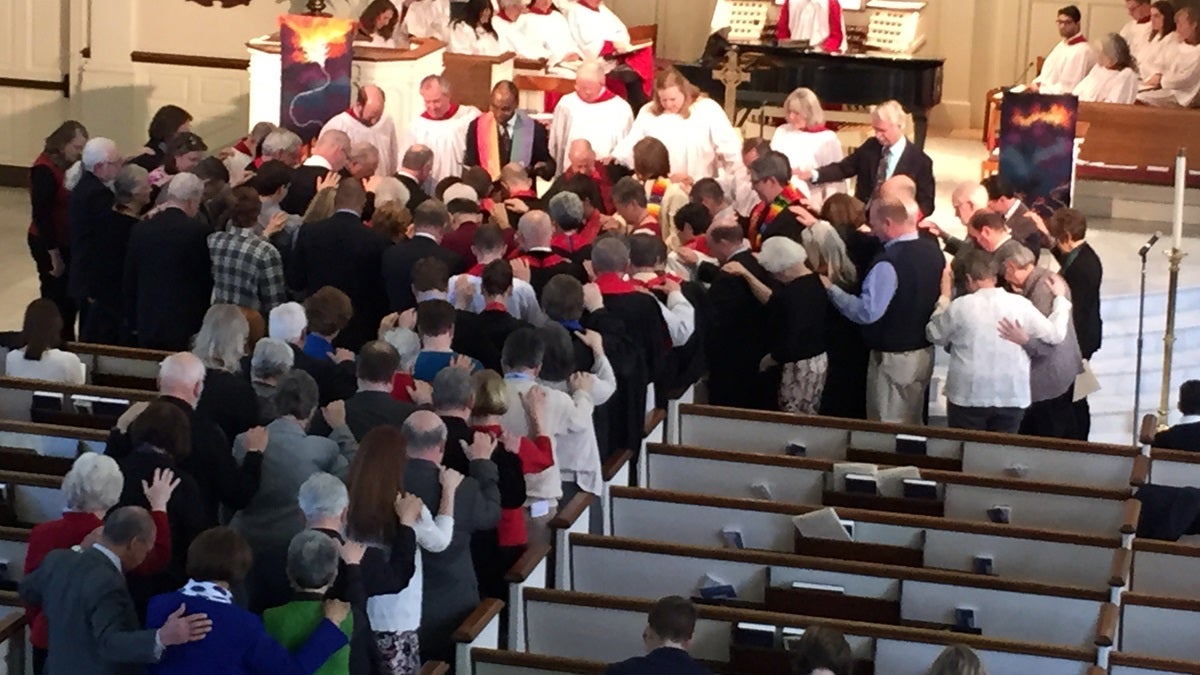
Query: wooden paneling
{"points": [[219, 99]]}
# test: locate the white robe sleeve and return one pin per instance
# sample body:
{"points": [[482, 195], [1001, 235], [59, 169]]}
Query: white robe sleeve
{"points": [[1182, 77], [680, 317], [623, 153], [605, 384], [462, 40], [727, 145], [560, 126]]}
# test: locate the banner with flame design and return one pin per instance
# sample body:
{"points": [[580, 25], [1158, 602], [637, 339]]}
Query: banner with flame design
{"points": [[1037, 148], [315, 57]]}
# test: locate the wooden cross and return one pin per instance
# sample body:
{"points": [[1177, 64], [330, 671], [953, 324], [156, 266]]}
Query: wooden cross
{"points": [[731, 75]]}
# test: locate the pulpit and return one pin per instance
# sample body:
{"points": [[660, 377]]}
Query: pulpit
{"points": [[397, 71], [472, 77]]}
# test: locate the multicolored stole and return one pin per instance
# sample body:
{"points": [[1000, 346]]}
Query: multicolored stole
{"points": [[765, 214], [658, 190], [487, 140]]}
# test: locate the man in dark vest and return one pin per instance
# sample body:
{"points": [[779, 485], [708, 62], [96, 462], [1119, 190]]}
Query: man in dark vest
{"points": [[899, 294]]}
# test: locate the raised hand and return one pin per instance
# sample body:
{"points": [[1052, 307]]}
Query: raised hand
{"points": [[158, 490]]}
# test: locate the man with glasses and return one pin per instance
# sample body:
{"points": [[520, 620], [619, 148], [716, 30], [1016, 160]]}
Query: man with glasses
{"points": [[1071, 59]]}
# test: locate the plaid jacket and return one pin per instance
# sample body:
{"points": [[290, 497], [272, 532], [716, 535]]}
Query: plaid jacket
{"points": [[247, 270]]}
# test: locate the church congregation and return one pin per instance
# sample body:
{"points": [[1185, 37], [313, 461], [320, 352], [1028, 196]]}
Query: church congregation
{"points": [[393, 361]]}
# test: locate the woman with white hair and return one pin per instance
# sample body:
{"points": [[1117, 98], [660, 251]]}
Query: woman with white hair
{"points": [[227, 399], [807, 143], [1113, 79], [271, 360], [795, 325], [92, 487]]}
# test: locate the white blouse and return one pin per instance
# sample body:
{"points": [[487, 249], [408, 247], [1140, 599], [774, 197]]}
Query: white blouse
{"points": [[54, 366], [1105, 85], [700, 144]]}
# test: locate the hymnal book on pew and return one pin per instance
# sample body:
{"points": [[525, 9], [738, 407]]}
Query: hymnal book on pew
{"points": [[907, 444], [840, 469], [47, 400], [827, 588], [821, 524], [748, 634], [891, 481], [711, 588], [733, 537], [796, 448], [860, 478], [861, 483], [919, 489]]}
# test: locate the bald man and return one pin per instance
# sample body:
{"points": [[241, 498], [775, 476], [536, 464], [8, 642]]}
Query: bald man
{"points": [[366, 122], [506, 134], [329, 155], [450, 588], [581, 161], [534, 233], [593, 113]]}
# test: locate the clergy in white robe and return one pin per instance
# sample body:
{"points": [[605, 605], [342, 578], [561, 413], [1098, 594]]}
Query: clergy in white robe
{"points": [[442, 128], [1113, 79], [694, 128], [817, 22], [1137, 31], [1070, 60], [808, 144], [592, 113], [365, 122], [1179, 84], [427, 19], [550, 25]]}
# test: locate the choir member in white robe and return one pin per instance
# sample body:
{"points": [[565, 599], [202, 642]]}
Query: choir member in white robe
{"points": [[596, 30], [427, 19], [807, 144], [517, 34], [442, 128], [365, 122], [1113, 79], [818, 22], [379, 26], [1137, 31], [474, 34], [1179, 84], [1070, 60], [694, 128], [550, 25], [592, 113], [1163, 38]]}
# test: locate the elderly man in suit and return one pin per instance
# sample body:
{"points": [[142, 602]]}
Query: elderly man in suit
{"points": [[340, 252], [90, 612], [1186, 434], [168, 273], [888, 153], [91, 200], [450, 589]]}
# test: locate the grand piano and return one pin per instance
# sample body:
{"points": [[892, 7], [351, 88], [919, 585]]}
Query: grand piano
{"points": [[770, 70]]}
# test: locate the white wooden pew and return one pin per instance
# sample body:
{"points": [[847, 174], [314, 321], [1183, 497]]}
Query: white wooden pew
{"points": [[33, 498], [1161, 627], [1165, 569]]}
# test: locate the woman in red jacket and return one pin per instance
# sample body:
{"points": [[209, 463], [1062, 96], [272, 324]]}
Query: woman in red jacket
{"points": [[49, 231], [92, 487]]}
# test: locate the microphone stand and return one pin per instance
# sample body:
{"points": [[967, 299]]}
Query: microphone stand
{"points": [[1137, 377]]}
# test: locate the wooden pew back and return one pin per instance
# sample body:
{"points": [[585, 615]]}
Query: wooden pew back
{"points": [[128, 367], [1163, 568], [1160, 627], [51, 439]]}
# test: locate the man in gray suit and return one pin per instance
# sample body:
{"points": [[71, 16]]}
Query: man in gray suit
{"points": [[450, 590], [90, 612]]}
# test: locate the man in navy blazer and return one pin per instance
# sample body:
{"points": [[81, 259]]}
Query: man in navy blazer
{"points": [[1186, 434], [885, 155], [668, 636]]}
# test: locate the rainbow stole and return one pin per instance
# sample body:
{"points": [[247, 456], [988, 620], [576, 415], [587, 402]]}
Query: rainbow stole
{"points": [[764, 214], [658, 189], [487, 140]]}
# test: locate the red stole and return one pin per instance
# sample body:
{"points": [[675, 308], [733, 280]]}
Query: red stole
{"points": [[542, 12], [699, 244], [1078, 39], [611, 283], [657, 281], [606, 94], [475, 271], [540, 259], [495, 307]]}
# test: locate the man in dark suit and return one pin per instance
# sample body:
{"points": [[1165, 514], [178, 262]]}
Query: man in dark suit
{"points": [[91, 615], [1025, 228], [341, 252], [668, 637], [431, 222], [1186, 434], [89, 206], [328, 156], [372, 405], [168, 272], [885, 155], [734, 342], [1083, 272], [450, 590], [514, 134], [415, 168]]}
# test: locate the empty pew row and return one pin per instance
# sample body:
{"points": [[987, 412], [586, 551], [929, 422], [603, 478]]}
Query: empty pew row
{"points": [[85, 406], [126, 367], [802, 480], [1175, 468], [604, 628], [1010, 552], [851, 590], [1160, 627], [27, 499], [1163, 569], [973, 452], [52, 440]]}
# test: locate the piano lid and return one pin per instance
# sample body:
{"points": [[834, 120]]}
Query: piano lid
{"points": [[787, 48]]}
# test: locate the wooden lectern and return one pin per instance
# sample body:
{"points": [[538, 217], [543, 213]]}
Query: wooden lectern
{"points": [[472, 77], [397, 71]]}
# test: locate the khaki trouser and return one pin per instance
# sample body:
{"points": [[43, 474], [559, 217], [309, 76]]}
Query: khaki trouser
{"points": [[898, 384]]}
